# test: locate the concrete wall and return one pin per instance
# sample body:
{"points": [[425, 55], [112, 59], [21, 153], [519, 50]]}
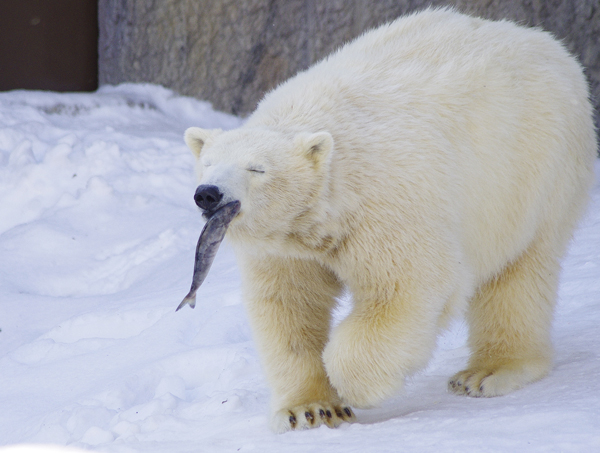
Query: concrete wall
{"points": [[230, 52]]}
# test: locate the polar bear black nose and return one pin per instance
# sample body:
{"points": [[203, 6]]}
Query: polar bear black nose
{"points": [[207, 197]]}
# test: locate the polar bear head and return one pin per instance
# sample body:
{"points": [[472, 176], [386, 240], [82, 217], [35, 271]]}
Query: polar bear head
{"points": [[278, 178]]}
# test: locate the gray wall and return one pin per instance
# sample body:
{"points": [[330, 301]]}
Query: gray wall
{"points": [[230, 52]]}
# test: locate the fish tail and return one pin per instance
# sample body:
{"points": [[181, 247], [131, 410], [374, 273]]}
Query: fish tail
{"points": [[189, 300]]}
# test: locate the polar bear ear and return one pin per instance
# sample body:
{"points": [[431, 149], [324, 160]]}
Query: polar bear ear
{"points": [[316, 147], [195, 138]]}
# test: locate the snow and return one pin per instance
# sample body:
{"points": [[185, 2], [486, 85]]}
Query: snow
{"points": [[97, 236]]}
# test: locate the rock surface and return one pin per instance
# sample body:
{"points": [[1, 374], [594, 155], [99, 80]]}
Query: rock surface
{"points": [[230, 52]]}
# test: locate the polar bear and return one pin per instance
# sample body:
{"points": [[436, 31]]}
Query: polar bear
{"points": [[433, 166]]}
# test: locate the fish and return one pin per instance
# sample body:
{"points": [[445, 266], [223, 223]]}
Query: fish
{"points": [[211, 237]]}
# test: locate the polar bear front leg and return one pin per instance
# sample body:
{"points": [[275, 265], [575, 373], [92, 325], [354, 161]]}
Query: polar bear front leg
{"points": [[383, 340], [289, 305]]}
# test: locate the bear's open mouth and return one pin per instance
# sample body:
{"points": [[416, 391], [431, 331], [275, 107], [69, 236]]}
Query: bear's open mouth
{"points": [[207, 214]]}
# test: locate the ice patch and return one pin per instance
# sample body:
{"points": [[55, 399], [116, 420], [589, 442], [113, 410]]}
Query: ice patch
{"points": [[104, 325], [95, 436], [85, 334]]}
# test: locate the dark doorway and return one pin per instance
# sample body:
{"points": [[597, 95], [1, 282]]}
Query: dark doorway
{"points": [[49, 45]]}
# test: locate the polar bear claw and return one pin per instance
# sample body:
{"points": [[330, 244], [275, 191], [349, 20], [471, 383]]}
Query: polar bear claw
{"points": [[311, 416]]}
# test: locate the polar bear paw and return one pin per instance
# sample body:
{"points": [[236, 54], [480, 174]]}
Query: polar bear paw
{"points": [[471, 383], [312, 415], [496, 380]]}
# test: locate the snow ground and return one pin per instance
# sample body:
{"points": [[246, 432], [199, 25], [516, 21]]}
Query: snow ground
{"points": [[97, 237]]}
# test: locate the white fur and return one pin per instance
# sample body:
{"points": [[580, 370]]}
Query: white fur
{"points": [[435, 164]]}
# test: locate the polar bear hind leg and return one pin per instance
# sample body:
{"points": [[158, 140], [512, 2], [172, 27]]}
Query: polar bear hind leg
{"points": [[510, 323]]}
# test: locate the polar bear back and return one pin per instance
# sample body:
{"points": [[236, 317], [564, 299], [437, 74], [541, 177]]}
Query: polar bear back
{"points": [[496, 115]]}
